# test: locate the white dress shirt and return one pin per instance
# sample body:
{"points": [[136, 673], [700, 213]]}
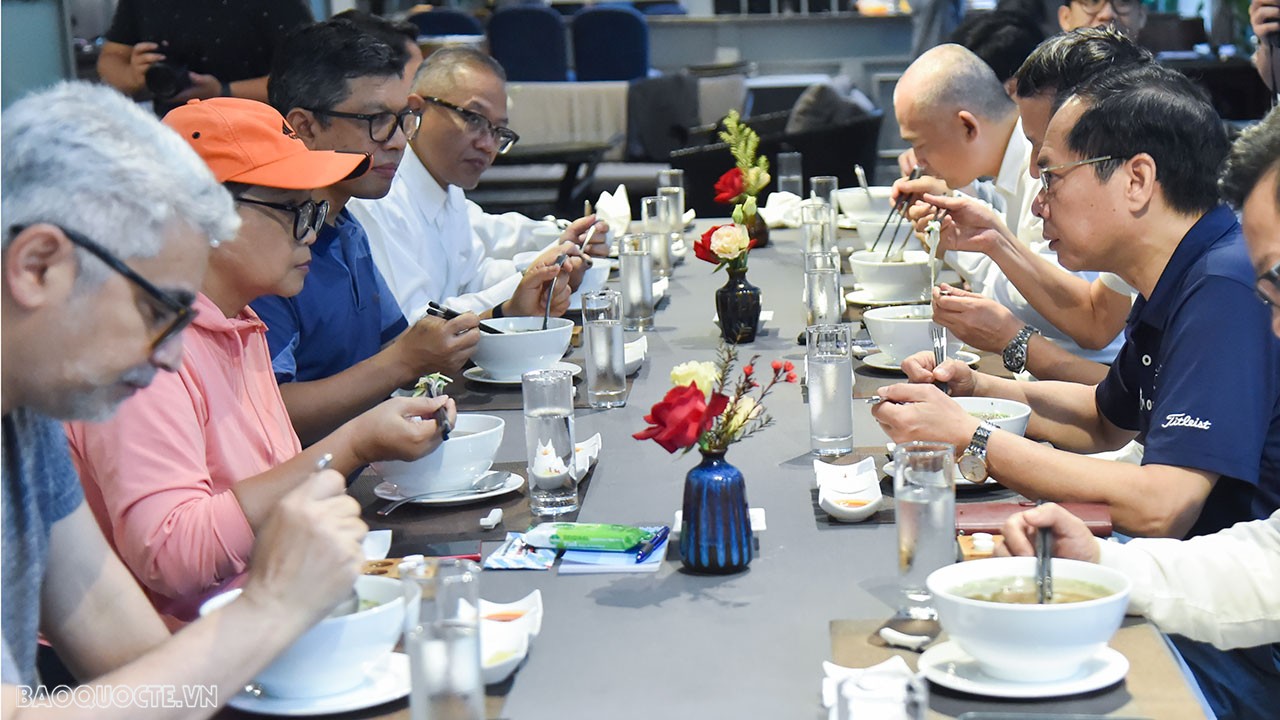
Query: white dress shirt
{"points": [[1017, 190], [423, 243]]}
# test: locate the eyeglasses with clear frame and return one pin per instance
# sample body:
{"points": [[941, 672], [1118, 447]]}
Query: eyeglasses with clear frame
{"points": [[476, 124], [1047, 175], [1268, 286], [180, 307], [383, 125], [1121, 7], [307, 217]]}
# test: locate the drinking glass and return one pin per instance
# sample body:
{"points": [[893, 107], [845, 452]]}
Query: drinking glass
{"points": [[548, 441], [790, 177], [637, 282], [442, 638], [815, 221], [824, 188], [606, 366], [822, 288], [829, 379], [925, 498], [671, 215]]}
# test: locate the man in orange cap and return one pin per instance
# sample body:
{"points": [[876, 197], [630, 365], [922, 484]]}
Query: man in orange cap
{"points": [[182, 479]]}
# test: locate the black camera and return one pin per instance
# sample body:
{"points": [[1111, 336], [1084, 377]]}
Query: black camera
{"points": [[166, 79]]}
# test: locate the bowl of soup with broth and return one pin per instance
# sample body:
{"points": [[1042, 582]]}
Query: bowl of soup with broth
{"points": [[988, 607], [1008, 415]]}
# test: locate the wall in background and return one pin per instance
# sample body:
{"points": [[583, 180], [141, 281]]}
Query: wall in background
{"points": [[35, 50]]}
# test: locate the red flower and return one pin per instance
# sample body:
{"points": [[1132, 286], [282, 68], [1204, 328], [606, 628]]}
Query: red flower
{"points": [[776, 365], [702, 248], [729, 186], [748, 370], [681, 416], [788, 366], [791, 377]]}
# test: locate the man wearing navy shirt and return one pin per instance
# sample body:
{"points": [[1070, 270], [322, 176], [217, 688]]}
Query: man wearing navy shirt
{"points": [[1128, 165]]}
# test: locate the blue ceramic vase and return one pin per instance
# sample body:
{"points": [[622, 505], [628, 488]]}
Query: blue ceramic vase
{"points": [[715, 532]]}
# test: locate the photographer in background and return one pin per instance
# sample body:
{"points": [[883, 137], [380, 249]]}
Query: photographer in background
{"points": [[1264, 18], [176, 51]]}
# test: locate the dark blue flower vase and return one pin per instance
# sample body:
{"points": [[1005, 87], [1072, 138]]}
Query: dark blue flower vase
{"points": [[715, 532]]}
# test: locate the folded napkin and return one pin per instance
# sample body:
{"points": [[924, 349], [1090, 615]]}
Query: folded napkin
{"points": [[615, 209], [689, 216], [880, 691], [781, 209]]}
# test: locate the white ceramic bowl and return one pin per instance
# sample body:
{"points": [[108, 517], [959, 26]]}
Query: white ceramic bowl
{"points": [[465, 456], [522, 346], [331, 657], [903, 330], [902, 281], [869, 228], [1028, 643], [854, 200], [594, 279], [1016, 414], [502, 648]]}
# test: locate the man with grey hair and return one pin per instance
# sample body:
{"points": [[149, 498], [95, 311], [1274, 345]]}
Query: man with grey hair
{"points": [[428, 240], [109, 217], [963, 126]]}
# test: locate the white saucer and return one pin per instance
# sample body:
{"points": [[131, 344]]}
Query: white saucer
{"points": [[862, 296], [880, 361], [385, 491], [477, 374], [949, 666], [386, 681]]}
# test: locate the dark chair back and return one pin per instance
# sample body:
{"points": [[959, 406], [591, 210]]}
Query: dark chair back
{"points": [[529, 42], [446, 21], [610, 42]]}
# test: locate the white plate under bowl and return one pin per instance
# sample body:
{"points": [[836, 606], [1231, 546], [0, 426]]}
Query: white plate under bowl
{"points": [[385, 681], [388, 491], [477, 374], [949, 666], [862, 296], [881, 361]]}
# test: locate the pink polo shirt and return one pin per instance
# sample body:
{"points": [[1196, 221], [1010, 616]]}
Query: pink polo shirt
{"points": [[159, 474]]}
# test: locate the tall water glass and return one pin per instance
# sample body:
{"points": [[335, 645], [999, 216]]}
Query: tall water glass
{"points": [[548, 440], [790, 177], [666, 232], [815, 222], [442, 638], [606, 366], [829, 379], [822, 288], [824, 188], [925, 498], [673, 178], [637, 282]]}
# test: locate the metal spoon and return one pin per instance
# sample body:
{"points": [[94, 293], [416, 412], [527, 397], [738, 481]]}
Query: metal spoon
{"points": [[1044, 572], [546, 314], [485, 483], [862, 180]]}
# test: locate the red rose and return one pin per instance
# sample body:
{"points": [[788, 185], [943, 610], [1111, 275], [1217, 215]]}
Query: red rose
{"points": [[729, 186], [681, 416], [702, 248]]}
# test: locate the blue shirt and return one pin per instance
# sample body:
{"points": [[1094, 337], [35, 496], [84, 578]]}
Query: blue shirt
{"points": [[344, 314], [1199, 374]]}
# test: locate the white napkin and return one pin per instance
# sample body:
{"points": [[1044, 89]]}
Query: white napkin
{"points": [[615, 209], [874, 692], [781, 209], [689, 216]]}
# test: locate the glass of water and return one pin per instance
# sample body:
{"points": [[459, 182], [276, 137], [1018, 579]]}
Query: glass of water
{"points": [[548, 440], [815, 221], [637, 281], [790, 177], [925, 505], [822, 304], [442, 638], [606, 366], [829, 379]]}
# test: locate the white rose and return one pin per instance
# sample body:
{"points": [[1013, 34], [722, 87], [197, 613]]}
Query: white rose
{"points": [[704, 374], [730, 241]]}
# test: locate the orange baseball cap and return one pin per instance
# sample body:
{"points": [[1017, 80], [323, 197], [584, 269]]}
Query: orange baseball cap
{"points": [[249, 142]]}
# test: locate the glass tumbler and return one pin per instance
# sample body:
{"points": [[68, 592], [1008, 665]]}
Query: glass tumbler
{"points": [[924, 493]]}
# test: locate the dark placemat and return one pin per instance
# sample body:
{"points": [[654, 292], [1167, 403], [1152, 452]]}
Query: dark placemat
{"points": [[1154, 687], [471, 396]]}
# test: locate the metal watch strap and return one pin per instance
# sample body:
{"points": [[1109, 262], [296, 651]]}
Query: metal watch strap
{"points": [[978, 443], [1015, 353]]}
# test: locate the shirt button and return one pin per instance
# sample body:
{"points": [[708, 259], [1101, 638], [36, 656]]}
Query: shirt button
{"points": [[1146, 360]]}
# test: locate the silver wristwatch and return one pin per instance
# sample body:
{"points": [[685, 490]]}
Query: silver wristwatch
{"points": [[1015, 353], [973, 463]]}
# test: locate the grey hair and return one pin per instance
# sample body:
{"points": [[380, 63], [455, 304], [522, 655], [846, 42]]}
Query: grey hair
{"points": [[439, 72], [957, 79], [86, 158]]}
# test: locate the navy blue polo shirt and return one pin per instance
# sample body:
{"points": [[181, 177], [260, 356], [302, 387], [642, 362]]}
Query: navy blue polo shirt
{"points": [[344, 314], [1198, 377]]}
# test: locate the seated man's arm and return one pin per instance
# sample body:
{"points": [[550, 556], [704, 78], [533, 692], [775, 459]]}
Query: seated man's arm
{"points": [[1048, 361]]}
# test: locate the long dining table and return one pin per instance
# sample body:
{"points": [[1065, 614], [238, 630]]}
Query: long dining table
{"points": [[679, 645]]}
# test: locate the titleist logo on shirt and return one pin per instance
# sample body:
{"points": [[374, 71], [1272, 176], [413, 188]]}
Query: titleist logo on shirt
{"points": [[1185, 420]]}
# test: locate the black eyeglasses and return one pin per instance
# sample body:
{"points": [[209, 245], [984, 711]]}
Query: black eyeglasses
{"points": [[1268, 286], [166, 304], [477, 124], [383, 125], [1121, 7], [307, 217]]}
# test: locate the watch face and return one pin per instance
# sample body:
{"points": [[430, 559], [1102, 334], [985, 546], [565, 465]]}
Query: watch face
{"points": [[973, 468]]}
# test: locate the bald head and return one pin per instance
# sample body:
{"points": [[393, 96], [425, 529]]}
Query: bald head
{"points": [[443, 70], [948, 79]]}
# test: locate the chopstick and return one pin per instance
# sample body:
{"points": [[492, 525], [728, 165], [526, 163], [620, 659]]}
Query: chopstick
{"points": [[436, 310], [902, 204]]}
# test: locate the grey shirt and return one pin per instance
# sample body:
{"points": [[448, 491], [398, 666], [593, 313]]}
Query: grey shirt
{"points": [[38, 487]]}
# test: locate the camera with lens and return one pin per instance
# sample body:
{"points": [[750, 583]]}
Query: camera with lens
{"points": [[166, 79]]}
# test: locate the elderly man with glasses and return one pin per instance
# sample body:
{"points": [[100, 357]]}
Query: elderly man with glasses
{"points": [[429, 241]]}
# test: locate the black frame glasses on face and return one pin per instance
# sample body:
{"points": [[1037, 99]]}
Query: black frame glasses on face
{"points": [[1047, 175], [476, 123], [183, 309], [382, 124], [309, 216], [1121, 7], [1268, 286]]}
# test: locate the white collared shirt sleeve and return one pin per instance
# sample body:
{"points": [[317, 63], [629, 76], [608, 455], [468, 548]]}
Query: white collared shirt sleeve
{"points": [[1218, 588], [502, 235]]}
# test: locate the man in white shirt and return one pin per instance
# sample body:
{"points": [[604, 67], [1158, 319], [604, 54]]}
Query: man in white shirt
{"points": [[428, 240]]}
